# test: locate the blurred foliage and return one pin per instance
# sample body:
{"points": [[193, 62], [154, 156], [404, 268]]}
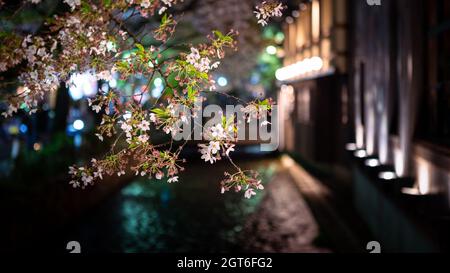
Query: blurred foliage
{"points": [[267, 64], [270, 63]]}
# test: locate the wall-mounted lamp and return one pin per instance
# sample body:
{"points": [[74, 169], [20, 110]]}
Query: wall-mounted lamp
{"points": [[372, 162], [306, 67], [360, 153], [387, 176]]}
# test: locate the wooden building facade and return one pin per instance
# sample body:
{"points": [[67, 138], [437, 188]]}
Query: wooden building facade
{"points": [[313, 81], [389, 100]]}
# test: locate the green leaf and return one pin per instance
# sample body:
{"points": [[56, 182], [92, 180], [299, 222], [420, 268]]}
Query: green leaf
{"points": [[164, 18], [160, 112], [265, 104], [218, 33], [191, 92], [140, 47]]}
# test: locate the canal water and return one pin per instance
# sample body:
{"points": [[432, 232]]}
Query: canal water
{"points": [[192, 216]]}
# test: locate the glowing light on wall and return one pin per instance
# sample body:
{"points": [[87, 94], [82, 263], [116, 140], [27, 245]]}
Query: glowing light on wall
{"points": [[411, 191], [423, 176], [357, 101], [351, 147], [399, 159], [383, 130], [360, 135], [315, 19], [286, 103], [383, 145], [288, 98], [307, 67], [370, 129]]}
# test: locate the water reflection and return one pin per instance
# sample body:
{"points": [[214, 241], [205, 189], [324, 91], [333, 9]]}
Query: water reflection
{"points": [[192, 215]]}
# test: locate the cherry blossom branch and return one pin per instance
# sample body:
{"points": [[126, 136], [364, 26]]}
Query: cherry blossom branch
{"points": [[93, 38]]}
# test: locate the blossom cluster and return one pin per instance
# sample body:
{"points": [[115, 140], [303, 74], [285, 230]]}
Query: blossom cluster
{"points": [[245, 181], [148, 7], [202, 64], [221, 139], [171, 118], [11, 53], [79, 42], [147, 161], [39, 78], [86, 175], [258, 109], [268, 9]]}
